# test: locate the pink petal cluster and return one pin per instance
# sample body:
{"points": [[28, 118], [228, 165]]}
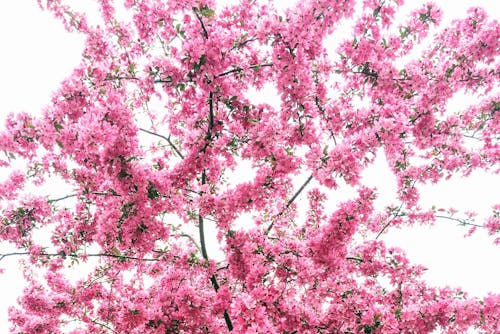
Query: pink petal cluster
{"points": [[147, 134]]}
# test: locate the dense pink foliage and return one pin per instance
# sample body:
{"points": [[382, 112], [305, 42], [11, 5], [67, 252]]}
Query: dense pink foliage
{"points": [[148, 128]]}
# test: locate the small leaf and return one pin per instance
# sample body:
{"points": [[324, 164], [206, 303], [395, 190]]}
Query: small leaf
{"points": [[114, 193], [152, 192], [123, 174], [207, 12], [355, 43], [203, 60], [57, 126], [131, 68], [496, 106], [449, 72], [181, 86], [404, 32]]}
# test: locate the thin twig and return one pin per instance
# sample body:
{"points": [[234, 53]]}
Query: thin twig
{"points": [[390, 221], [116, 256], [240, 69], [103, 193], [290, 201], [205, 33], [62, 198], [104, 325], [461, 221], [172, 145], [191, 239]]}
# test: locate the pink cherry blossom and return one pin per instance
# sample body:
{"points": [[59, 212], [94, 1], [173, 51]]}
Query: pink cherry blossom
{"points": [[148, 133]]}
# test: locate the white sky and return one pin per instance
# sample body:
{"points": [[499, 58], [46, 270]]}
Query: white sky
{"points": [[37, 53]]}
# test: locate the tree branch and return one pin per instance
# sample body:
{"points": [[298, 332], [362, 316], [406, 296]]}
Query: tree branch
{"points": [[390, 221], [205, 33], [103, 193], [62, 198], [116, 256], [290, 201], [202, 230], [172, 145], [213, 278], [461, 221], [240, 69]]}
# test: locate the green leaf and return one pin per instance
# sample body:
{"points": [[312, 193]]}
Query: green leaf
{"points": [[179, 31], [181, 86], [114, 193], [123, 174], [152, 192], [404, 32], [57, 126], [207, 12], [397, 313], [496, 106], [203, 60], [198, 65], [131, 69], [355, 43], [449, 72], [193, 259]]}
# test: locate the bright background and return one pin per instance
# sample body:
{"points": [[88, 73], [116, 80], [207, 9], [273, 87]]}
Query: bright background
{"points": [[37, 53]]}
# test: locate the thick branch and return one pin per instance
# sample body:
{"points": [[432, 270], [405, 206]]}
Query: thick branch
{"points": [[211, 113], [213, 278], [202, 230]]}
